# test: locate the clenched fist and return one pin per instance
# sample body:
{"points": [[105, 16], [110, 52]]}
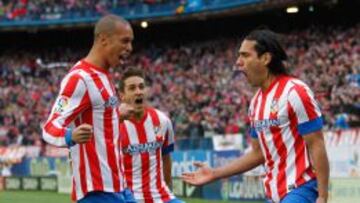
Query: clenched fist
{"points": [[82, 133], [126, 111]]}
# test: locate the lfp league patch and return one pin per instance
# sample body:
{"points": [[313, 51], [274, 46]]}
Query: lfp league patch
{"points": [[62, 104]]}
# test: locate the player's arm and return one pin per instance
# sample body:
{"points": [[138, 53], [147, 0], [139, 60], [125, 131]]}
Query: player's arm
{"points": [[167, 166], [316, 146], [307, 113], [242, 164], [71, 101], [167, 148]]}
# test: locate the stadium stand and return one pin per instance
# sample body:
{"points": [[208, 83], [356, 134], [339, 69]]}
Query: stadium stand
{"points": [[195, 82], [188, 51], [66, 11]]}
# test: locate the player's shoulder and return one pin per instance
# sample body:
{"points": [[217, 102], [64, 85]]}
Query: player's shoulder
{"points": [[71, 77], [81, 71], [296, 83], [163, 117], [76, 71], [297, 89]]}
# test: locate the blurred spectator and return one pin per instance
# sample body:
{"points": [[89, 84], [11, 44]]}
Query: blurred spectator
{"points": [[341, 121]]}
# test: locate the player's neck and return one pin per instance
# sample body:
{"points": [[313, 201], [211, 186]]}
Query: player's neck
{"points": [[138, 116], [267, 82], [96, 59]]}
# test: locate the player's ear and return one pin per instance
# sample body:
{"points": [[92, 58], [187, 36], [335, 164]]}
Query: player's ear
{"points": [[266, 58], [103, 39], [121, 95]]}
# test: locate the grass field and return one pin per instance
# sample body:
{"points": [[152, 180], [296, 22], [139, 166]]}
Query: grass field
{"points": [[51, 197]]}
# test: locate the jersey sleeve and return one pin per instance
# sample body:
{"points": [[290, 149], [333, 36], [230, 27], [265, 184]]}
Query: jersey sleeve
{"points": [[305, 108], [169, 141], [71, 101], [251, 130]]}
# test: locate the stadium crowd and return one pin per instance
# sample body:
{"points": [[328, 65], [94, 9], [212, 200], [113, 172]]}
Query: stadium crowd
{"points": [[51, 9], [195, 82], [15, 10]]}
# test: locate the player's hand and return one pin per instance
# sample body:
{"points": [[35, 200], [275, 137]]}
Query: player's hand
{"points": [[126, 111], [203, 175], [82, 133], [321, 200]]}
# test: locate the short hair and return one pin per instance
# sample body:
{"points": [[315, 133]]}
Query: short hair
{"points": [[131, 72], [107, 24], [269, 41]]}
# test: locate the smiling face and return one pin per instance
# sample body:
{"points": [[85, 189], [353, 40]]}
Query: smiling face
{"points": [[134, 93], [253, 66], [117, 45]]}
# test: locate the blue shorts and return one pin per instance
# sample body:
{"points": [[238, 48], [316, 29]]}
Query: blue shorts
{"points": [[125, 196], [306, 193]]}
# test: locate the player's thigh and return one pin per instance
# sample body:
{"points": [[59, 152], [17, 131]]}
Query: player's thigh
{"points": [[306, 193], [108, 197], [297, 198]]}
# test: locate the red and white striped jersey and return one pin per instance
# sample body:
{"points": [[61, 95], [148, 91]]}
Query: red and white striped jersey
{"points": [[279, 117], [87, 95], [143, 144]]}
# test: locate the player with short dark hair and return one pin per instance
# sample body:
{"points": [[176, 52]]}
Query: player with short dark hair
{"points": [[147, 139]]}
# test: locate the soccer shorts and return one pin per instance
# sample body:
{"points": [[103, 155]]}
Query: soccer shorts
{"points": [[125, 196], [306, 193]]}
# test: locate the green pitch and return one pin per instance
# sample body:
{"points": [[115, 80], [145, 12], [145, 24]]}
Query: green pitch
{"points": [[51, 197]]}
